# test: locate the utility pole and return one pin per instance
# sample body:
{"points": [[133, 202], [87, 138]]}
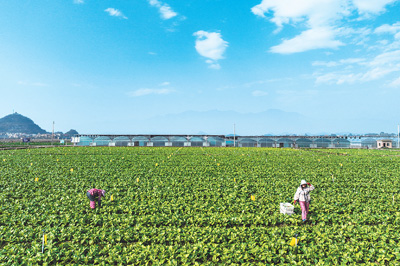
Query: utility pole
{"points": [[52, 135], [398, 135], [234, 135]]}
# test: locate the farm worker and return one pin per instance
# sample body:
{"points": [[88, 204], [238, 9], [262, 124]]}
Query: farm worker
{"points": [[94, 194], [303, 197]]}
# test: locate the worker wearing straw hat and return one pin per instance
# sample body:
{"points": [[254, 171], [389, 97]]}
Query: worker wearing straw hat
{"points": [[95, 194], [303, 197]]}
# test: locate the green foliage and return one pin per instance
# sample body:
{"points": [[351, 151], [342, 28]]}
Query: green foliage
{"points": [[192, 206]]}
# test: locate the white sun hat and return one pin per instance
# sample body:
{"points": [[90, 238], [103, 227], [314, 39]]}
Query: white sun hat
{"points": [[303, 182]]}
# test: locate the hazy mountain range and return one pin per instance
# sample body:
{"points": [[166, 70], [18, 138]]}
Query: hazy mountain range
{"points": [[273, 121], [270, 122]]}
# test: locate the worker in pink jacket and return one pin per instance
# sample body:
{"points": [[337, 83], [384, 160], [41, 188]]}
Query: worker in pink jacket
{"points": [[303, 197], [95, 194]]}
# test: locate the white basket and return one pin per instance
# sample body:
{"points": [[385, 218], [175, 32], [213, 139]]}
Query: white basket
{"points": [[287, 208]]}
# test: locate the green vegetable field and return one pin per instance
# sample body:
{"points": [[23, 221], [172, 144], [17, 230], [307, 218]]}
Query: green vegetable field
{"points": [[193, 206]]}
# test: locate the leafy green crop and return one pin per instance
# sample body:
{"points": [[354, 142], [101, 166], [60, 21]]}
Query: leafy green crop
{"points": [[191, 206]]}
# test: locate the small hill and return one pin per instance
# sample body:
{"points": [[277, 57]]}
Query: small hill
{"points": [[71, 133], [16, 123]]}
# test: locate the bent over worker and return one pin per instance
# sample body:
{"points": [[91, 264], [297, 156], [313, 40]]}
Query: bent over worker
{"points": [[95, 194], [302, 195]]}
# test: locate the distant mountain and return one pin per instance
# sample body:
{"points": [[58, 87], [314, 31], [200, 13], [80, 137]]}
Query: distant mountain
{"points": [[221, 122], [16, 123], [71, 133]]}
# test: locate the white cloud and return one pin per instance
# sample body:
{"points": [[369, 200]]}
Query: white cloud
{"points": [[358, 36], [79, 2], [297, 93], [383, 42], [165, 10], [255, 83], [115, 12], [371, 6], [382, 65], [211, 46], [393, 29], [325, 64], [395, 83], [338, 78], [316, 38], [213, 64], [386, 59], [381, 62], [347, 61], [258, 93], [379, 67], [144, 91], [33, 84], [351, 61], [166, 83], [386, 28], [313, 12], [321, 18], [377, 73]]}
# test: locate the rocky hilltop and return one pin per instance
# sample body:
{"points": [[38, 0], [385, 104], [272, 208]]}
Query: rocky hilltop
{"points": [[17, 123]]}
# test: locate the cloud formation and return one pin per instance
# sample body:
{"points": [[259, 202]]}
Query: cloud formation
{"points": [[381, 66], [79, 2], [144, 91], [381, 63], [32, 84], [389, 29], [321, 18], [258, 93], [211, 46], [338, 63], [371, 6], [165, 10], [395, 83], [315, 38], [115, 13]]}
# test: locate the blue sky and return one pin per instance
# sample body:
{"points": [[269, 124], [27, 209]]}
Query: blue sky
{"points": [[142, 66]]}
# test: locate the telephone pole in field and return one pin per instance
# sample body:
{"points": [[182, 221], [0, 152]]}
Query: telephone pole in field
{"points": [[234, 135], [52, 134]]}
